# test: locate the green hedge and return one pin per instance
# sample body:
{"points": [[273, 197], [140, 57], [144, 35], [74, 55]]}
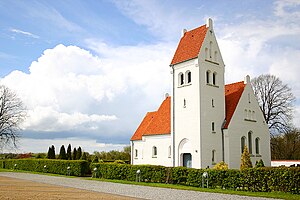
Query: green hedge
{"points": [[77, 167], [254, 179]]}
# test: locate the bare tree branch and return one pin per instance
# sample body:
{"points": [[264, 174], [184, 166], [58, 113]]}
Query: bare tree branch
{"points": [[276, 102], [12, 114]]}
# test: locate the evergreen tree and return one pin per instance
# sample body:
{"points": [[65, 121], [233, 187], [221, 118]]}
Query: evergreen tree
{"points": [[83, 157], [49, 156], [245, 160], [62, 153], [79, 153], [69, 152], [52, 152], [74, 154]]}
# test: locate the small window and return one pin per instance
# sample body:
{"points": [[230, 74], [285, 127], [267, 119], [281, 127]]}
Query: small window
{"points": [[216, 56], [257, 146], [210, 49], [184, 103], [169, 151], [246, 114], [243, 143], [212, 103], [214, 78], [180, 79], [250, 142], [206, 53], [207, 77], [213, 126], [213, 160], [189, 77], [154, 152], [249, 98], [253, 115], [136, 153]]}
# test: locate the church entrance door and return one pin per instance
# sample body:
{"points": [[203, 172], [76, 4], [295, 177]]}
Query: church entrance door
{"points": [[187, 160]]}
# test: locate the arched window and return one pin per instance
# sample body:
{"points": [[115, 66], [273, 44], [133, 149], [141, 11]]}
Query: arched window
{"points": [[246, 114], [213, 156], [249, 114], [169, 151], [180, 79], [214, 78], [206, 53], [154, 151], [250, 142], [136, 153], [188, 76], [257, 146], [207, 77], [210, 49], [216, 56], [253, 115], [243, 143]]}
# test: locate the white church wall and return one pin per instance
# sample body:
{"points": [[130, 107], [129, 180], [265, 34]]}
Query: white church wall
{"points": [[145, 148], [187, 112], [212, 100], [241, 124]]}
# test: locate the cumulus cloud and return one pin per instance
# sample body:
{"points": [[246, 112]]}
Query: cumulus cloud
{"points": [[68, 88], [258, 46]]}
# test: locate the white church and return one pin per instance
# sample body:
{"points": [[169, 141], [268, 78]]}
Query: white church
{"points": [[204, 121]]}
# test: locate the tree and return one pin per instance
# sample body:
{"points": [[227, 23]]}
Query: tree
{"points": [[245, 160], [83, 157], [53, 152], [286, 146], [275, 100], [69, 152], [62, 153], [12, 114], [74, 153], [79, 153], [259, 163]]}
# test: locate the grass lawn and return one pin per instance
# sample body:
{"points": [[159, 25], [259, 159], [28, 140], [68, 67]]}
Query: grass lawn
{"points": [[278, 195]]}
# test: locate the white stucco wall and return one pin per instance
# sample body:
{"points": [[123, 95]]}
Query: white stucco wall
{"points": [[240, 125], [145, 147]]}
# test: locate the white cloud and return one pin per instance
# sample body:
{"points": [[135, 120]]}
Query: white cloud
{"points": [[257, 46], [24, 33], [68, 88]]}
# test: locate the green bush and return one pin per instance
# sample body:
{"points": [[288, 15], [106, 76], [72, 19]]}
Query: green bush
{"points": [[261, 179], [77, 168]]}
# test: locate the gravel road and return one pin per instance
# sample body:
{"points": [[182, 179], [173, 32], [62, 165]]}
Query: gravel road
{"points": [[143, 192]]}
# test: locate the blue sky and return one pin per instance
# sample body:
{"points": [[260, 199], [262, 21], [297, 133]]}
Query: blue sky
{"points": [[88, 71]]}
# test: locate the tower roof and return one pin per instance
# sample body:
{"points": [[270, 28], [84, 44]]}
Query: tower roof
{"points": [[189, 45]]}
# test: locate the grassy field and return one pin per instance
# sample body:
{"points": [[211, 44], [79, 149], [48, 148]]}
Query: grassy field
{"points": [[278, 195]]}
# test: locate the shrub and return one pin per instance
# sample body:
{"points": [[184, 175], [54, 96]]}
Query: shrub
{"points": [[245, 159], [78, 168], [259, 163], [221, 166]]}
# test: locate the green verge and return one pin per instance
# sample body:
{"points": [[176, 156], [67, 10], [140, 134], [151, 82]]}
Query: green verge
{"points": [[277, 195]]}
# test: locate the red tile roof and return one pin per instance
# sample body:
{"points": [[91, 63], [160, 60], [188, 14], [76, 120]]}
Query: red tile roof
{"points": [[155, 123], [233, 94], [159, 122], [189, 45]]}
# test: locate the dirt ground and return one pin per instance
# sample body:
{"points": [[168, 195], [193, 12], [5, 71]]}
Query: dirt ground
{"points": [[11, 188]]}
